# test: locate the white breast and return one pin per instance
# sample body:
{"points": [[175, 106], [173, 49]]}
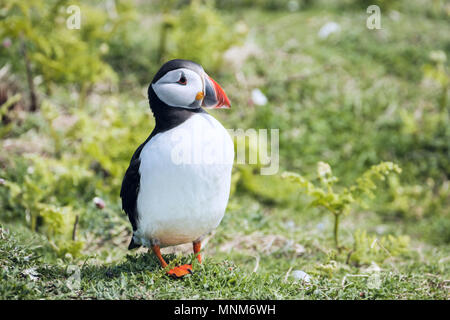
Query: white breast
{"points": [[185, 181]]}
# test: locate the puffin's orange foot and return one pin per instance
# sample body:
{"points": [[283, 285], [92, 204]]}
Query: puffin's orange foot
{"points": [[180, 271]]}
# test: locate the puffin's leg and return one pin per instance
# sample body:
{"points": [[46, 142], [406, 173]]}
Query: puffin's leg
{"points": [[197, 245], [177, 272], [156, 250]]}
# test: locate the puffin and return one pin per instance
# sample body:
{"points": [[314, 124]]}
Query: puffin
{"points": [[177, 186]]}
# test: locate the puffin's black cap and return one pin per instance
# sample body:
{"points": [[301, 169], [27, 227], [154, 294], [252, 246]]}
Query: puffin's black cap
{"points": [[177, 64]]}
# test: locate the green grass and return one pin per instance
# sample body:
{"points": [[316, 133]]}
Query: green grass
{"points": [[25, 276]]}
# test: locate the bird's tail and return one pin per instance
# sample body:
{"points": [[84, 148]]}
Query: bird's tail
{"points": [[133, 245]]}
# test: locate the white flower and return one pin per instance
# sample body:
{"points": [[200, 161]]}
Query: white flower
{"points": [[99, 202], [329, 28], [323, 169], [258, 97]]}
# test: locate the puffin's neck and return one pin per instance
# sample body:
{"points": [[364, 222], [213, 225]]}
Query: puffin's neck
{"points": [[167, 117], [172, 117]]}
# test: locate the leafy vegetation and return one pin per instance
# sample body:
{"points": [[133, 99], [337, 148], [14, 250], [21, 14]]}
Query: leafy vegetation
{"points": [[338, 204], [73, 108]]}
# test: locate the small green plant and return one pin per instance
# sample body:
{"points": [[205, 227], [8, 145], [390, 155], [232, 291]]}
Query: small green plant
{"points": [[338, 202], [45, 201], [42, 42]]}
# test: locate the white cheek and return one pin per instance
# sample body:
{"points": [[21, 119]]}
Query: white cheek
{"points": [[176, 95]]}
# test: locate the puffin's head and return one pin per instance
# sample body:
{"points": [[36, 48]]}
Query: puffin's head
{"points": [[184, 84]]}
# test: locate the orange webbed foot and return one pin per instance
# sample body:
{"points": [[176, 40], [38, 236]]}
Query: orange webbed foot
{"points": [[180, 271]]}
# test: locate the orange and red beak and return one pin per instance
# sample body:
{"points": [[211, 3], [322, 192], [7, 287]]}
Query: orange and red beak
{"points": [[215, 97]]}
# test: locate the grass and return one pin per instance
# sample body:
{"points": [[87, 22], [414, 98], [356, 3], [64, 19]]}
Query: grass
{"points": [[25, 276], [352, 100]]}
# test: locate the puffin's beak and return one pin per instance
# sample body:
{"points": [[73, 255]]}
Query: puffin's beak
{"points": [[215, 97]]}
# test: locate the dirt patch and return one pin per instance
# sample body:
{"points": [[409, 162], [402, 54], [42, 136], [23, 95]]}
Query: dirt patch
{"points": [[257, 243]]}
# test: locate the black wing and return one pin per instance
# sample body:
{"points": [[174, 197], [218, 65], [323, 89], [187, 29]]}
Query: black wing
{"points": [[130, 188]]}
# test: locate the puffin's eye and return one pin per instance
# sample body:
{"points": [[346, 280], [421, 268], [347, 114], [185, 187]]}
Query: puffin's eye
{"points": [[182, 80]]}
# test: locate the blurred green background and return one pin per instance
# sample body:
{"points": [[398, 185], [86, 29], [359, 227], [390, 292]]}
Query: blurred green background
{"points": [[73, 109]]}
